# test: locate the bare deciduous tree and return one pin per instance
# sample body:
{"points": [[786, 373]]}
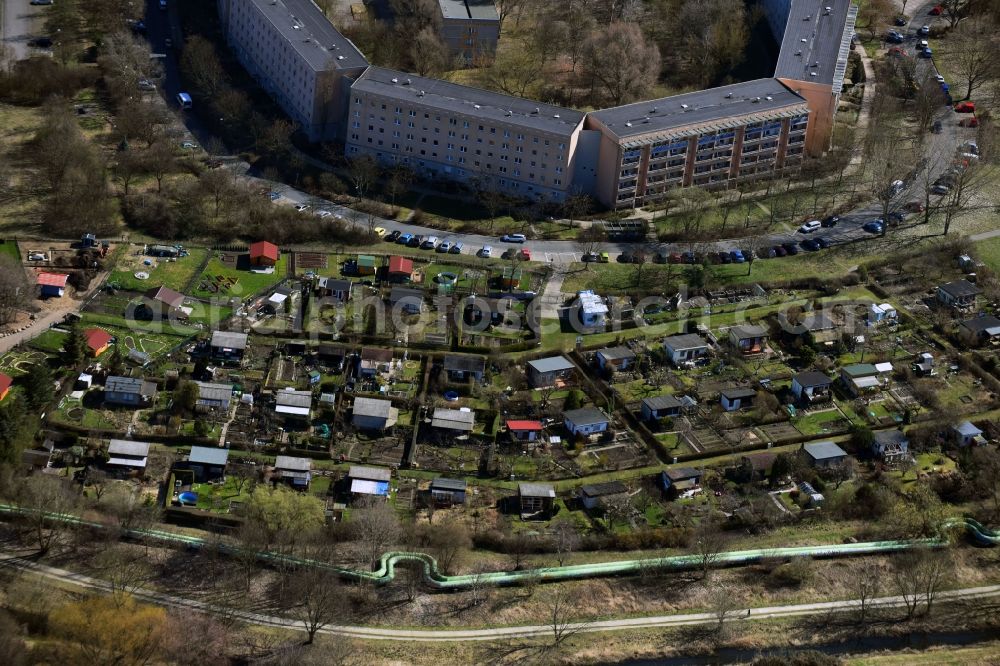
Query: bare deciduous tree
{"points": [[376, 528], [14, 290], [316, 599], [620, 62]]}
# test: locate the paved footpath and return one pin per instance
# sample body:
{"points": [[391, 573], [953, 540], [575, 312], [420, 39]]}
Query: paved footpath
{"points": [[491, 633]]}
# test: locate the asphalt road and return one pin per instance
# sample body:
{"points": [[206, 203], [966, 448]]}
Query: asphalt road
{"points": [[941, 147], [491, 633], [21, 23]]}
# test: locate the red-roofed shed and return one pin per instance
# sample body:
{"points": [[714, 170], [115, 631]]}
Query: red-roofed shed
{"points": [[263, 253], [400, 269], [97, 340], [525, 431], [52, 284], [5, 383]]}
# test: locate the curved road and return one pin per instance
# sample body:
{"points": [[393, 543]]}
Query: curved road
{"points": [[491, 633], [941, 146]]}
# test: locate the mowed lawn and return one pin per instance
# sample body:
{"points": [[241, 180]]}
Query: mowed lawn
{"points": [[9, 248], [232, 279], [172, 274]]}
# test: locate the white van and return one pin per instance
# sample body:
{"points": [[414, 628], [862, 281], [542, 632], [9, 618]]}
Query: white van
{"points": [[896, 187], [184, 100], [810, 226]]}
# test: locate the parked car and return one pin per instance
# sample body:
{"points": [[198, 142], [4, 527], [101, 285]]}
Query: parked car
{"points": [[525, 254], [486, 252], [301, 207], [895, 217], [823, 243], [737, 256], [936, 10], [325, 213], [662, 258], [675, 258], [899, 21], [936, 127], [456, 248], [830, 221], [274, 196], [926, 53], [392, 236], [604, 258], [924, 30], [810, 245], [969, 122], [724, 257], [415, 241], [689, 257], [810, 227], [513, 238], [444, 246], [146, 85], [589, 258], [184, 100], [791, 248], [767, 253], [940, 188], [939, 78], [429, 243], [894, 37], [779, 250], [625, 257], [41, 2], [874, 227], [404, 239], [965, 107], [914, 207]]}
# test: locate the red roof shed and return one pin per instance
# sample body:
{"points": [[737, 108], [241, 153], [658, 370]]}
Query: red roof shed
{"points": [[400, 266], [265, 253]]}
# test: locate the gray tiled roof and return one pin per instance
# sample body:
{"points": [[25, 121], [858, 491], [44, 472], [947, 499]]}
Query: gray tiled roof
{"points": [[824, 450], [454, 419], [728, 106], [615, 353], [370, 473], [659, 402], [685, 341], [812, 378], [220, 392], [311, 34], [293, 463], [959, 288], [208, 455], [481, 105], [229, 339], [464, 363], [551, 364], [121, 447], [372, 407], [453, 485], [586, 416], [535, 490]]}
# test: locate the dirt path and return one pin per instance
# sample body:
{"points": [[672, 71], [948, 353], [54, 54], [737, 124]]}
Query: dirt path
{"points": [[52, 317]]}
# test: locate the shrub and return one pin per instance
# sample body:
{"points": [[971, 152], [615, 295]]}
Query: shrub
{"points": [[792, 574]]}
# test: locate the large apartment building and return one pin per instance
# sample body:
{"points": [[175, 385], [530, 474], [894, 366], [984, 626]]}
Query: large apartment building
{"points": [[815, 44], [470, 28], [710, 138], [296, 54], [626, 156], [445, 130]]}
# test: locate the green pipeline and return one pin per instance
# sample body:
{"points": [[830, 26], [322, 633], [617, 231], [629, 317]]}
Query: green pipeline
{"points": [[434, 578]]}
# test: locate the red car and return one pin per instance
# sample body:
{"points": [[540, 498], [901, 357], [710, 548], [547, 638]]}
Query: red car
{"points": [[525, 254], [965, 107], [936, 10]]}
